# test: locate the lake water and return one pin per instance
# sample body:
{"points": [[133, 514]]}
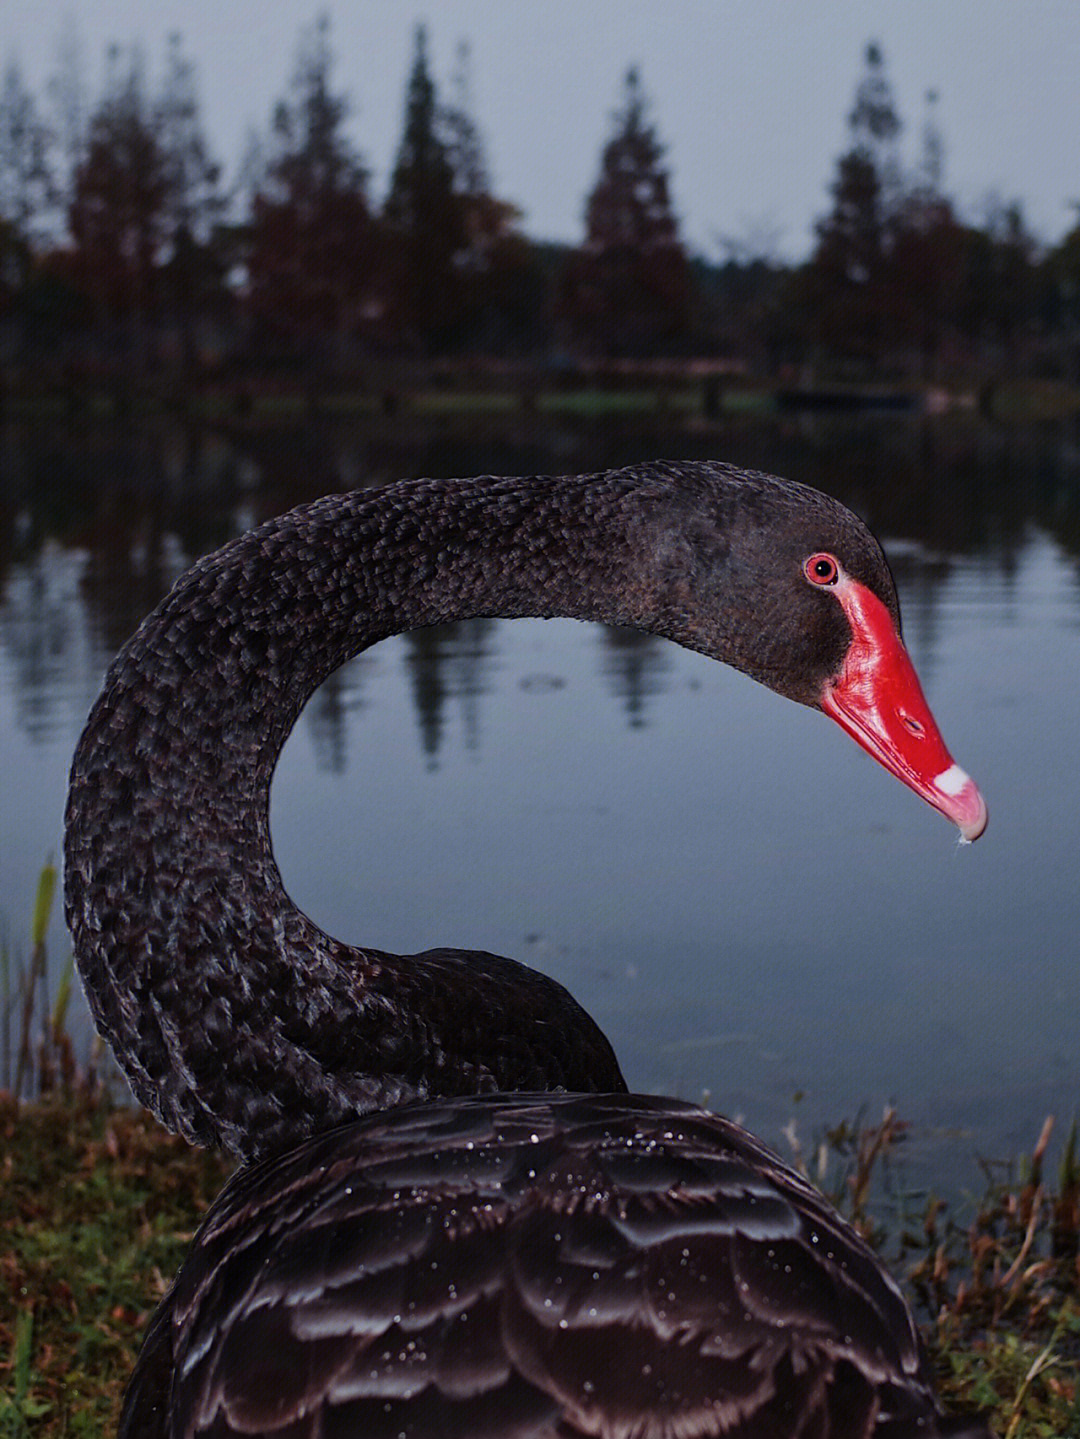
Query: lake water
{"points": [[753, 911]]}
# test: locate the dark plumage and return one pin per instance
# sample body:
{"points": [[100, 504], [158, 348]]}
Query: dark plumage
{"points": [[472, 1256]]}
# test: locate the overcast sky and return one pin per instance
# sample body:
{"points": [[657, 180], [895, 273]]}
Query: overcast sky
{"points": [[750, 96]]}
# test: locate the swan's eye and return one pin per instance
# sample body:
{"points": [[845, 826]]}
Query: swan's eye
{"points": [[821, 570]]}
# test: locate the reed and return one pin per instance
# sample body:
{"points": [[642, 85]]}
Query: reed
{"points": [[37, 1052]]}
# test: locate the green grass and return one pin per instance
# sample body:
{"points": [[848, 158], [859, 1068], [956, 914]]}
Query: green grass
{"points": [[597, 403], [97, 1208]]}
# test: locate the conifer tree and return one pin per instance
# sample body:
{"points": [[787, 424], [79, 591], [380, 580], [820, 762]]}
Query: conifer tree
{"points": [[193, 200], [930, 177], [192, 272], [423, 213], [461, 134], [26, 185], [501, 287], [875, 126], [626, 291], [847, 286], [856, 234], [68, 112], [928, 253], [630, 206], [120, 188], [314, 247]]}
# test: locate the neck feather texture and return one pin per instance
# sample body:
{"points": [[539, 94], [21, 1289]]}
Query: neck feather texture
{"points": [[235, 1018]]}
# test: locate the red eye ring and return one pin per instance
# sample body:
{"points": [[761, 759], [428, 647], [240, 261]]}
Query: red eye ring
{"points": [[821, 569]]}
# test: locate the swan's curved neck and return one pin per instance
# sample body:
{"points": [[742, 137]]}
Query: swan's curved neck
{"points": [[236, 1019]]}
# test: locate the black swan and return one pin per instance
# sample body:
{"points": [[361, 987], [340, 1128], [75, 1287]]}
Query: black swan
{"points": [[452, 1221]]}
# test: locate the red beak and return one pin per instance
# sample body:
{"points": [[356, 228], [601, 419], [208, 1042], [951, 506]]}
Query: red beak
{"points": [[878, 700]]}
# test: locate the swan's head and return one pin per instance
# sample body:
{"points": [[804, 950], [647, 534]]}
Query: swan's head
{"points": [[789, 586], [876, 697]]}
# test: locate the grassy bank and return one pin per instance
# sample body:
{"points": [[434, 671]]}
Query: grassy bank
{"points": [[694, 391], [98, 1205]]}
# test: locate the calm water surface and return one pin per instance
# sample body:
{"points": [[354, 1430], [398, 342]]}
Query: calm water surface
{"points": [[752, 910]]}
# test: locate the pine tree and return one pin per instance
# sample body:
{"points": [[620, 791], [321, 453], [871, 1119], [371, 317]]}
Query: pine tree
{"points": [[313, 159], [194, 201], [68, 114], [630, 206], [930, 178], [425, 216], [855, 235], [192, 273], [852, 244], [314, 254], [422, 184], [500, 286], [847, 284], [928, 252], [118, 215], [875, 126], [626, 291], [26, 185], [460, 133]]}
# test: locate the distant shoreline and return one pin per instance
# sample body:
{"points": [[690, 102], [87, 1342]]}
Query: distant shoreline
{"points": [[695, 391]]}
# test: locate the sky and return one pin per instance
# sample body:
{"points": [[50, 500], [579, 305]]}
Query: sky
{"points": [[749, 96]]}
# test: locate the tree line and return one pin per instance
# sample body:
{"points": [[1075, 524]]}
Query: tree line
{"points": [[122, 242]]}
